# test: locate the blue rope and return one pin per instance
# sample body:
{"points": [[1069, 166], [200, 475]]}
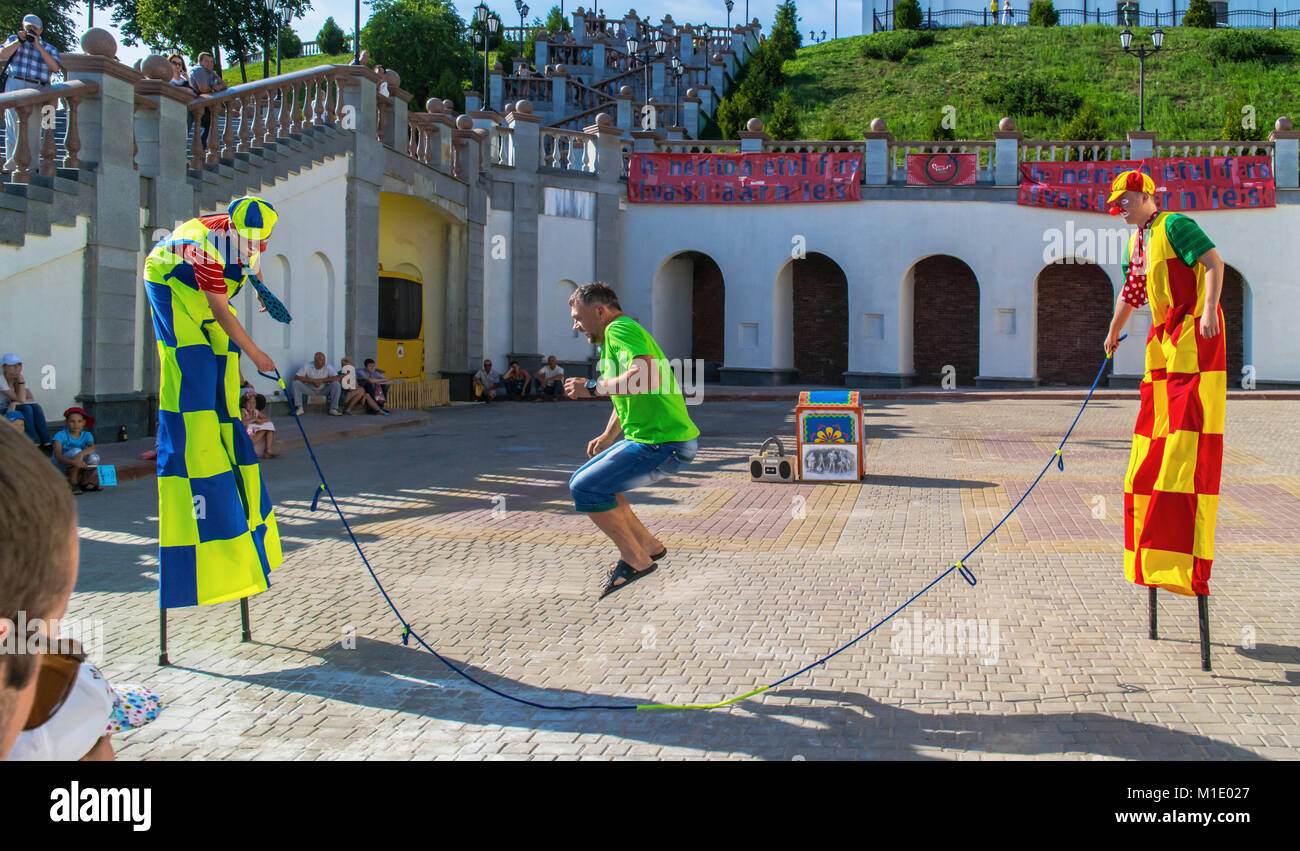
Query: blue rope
{"points": [[408, 633]]}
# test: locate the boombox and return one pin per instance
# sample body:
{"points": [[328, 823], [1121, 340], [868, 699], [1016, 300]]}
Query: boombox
{"points": [[771, 468]]}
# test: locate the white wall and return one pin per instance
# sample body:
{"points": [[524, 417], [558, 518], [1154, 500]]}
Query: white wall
{"points": [[41, 313], [674, 290], [309, 245], [877, 243], [498, 287], [566, 252]]}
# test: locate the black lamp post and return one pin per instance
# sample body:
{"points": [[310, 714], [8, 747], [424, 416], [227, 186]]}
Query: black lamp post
{"points": [[481, 16], [730, 5], [272, 17], [1142, 52], [661, 47], [356, 34], [677, 80], [285, 17]]}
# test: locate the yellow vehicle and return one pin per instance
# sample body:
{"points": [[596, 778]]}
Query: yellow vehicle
{"points": [[401, 326]]}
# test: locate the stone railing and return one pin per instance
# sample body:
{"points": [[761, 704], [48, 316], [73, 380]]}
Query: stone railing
{"points": [[569, 150], [696, 146], [503, 146], [1213, 149], [845, 146], [253, 114], [536, 89], [33, 105], [1034, 151]]}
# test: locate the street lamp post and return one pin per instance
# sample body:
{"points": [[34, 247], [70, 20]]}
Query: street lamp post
{"points": [[1142, 52], [632, 45], [730, 5], [356, 34], [285, 17], [677, 79], [272, 17], [661, 46]]}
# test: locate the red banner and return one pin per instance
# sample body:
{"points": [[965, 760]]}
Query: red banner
{"points": [[941, 169], [1184, 184], [759, 178]]}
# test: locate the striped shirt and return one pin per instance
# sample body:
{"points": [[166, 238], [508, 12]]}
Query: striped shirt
{"points": [[209, 274], [27, 62]]}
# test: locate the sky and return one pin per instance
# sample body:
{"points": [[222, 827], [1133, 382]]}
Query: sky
{"points": [[814, 14]]}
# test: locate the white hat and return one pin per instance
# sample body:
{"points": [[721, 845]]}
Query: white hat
{"points": [[81, 721], [34, 21], [10, 359]]}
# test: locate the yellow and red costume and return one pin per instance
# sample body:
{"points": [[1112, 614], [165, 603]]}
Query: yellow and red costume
{"points": [[1171, 491]]}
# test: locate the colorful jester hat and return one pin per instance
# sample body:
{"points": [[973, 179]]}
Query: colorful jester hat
{"points": [[1128, 181], [252, 218]]}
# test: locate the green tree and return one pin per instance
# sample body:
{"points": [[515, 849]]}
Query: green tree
{"points": [[1085, 126], [785, 118], [56, 15], [907, 15], [556, 22], [290, 44], [1199, 14], [786, 36], [331, 39], [237, 26], [421, 40], [833, 130], [733, 113], [1043, 14]]}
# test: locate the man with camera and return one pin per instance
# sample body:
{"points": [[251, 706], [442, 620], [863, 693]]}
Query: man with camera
{"points": [[30, 62]]}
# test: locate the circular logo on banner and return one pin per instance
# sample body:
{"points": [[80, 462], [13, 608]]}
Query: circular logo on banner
{"points": [[942, 168]]}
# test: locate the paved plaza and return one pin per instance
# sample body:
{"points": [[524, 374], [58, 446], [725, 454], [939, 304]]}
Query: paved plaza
{"points": [[466, 519]]}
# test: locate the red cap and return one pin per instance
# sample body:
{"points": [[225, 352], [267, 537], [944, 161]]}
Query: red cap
{"points": [[90, 421]]}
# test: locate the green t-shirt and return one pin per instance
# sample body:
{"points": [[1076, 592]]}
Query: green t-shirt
{"points": [[1185, 237], [648, 417]]}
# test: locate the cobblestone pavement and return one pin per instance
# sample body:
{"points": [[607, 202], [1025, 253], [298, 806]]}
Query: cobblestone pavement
{"points": [[467, 522]]}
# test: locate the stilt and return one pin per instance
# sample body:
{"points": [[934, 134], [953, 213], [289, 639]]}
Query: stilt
{"points": [[243, 614], [1203, 615], [162, 638], [1151, 612]]}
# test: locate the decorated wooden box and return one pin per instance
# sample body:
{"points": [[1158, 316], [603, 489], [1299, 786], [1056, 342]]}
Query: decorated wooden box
{"points": [[830, 439]]}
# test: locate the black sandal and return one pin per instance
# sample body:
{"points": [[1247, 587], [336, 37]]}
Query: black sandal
{"points": [[627, 573], [659, 554]]}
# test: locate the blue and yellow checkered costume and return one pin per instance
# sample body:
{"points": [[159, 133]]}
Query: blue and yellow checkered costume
{"points": [[217, 536]]}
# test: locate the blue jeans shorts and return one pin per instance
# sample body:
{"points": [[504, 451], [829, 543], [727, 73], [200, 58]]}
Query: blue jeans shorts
{"points": [[624, 466]]}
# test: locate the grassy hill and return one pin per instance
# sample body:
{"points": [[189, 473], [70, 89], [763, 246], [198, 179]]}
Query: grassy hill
{"points": [[1188, 92], [232, 77]]}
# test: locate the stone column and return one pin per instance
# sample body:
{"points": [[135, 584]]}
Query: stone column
{"points": [[717, 75], [1006, 153], [106, 120], [708, 100], [523, 244], [1141, 144], [876, 164], [610, 191], [1286, 154], [473, 101], [542, 54], [625, 119], [657, 77], [643, 141], [395, 113], [497, 93], [580, 26], [365, 177], [598, 57], [753, 137], [686, 45], [691, 114], [559, 92]]}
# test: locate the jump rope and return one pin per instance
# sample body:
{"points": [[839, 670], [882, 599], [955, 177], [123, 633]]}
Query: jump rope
{"points": [[408, 633]]}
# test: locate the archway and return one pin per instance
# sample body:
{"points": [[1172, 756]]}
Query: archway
{"points": [[820, 320], [690, 310], [1235, 301], [1074, 304], [945, 319]]}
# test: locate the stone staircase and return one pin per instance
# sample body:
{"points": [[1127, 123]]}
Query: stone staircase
{"points": [[33, 209]]}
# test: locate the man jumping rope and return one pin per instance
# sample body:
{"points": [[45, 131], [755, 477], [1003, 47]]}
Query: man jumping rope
{"points": [[650, 411]]}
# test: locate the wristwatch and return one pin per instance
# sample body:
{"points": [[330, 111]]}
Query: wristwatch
{"points": [[591, 386]]}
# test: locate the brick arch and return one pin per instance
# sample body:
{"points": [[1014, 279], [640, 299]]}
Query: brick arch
{"points": [[821, 320], [945, 319], [1233, 302], [1075, 302]]}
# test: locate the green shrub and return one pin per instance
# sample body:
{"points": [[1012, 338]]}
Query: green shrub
{"points": [[833, 130], [1085, 126], [733, 113], [290, 44], [894, 46], [506, 53], [1030, 94], [1043, 14], [785, 118], [1247, 46], [907, 15], [937, 132], [1199, 14], [1234, 129], [450, 87], [786, 34], [331, 38]]}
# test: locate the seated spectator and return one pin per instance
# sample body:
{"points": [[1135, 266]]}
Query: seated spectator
{"points": [[373, 381], [74, 451], [180, 77], [357, 395], [260, 429], [550, 380], [205, 80], [317, 377], [487, 384], [517, 381], [38, 570], [17, 398]]}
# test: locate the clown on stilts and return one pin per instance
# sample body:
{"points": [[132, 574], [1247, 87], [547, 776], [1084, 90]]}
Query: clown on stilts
{"points": [[1171, 490], [217, 536]]}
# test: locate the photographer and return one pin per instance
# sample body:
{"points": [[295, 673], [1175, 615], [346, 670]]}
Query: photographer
{"points": [[30, 62]]}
